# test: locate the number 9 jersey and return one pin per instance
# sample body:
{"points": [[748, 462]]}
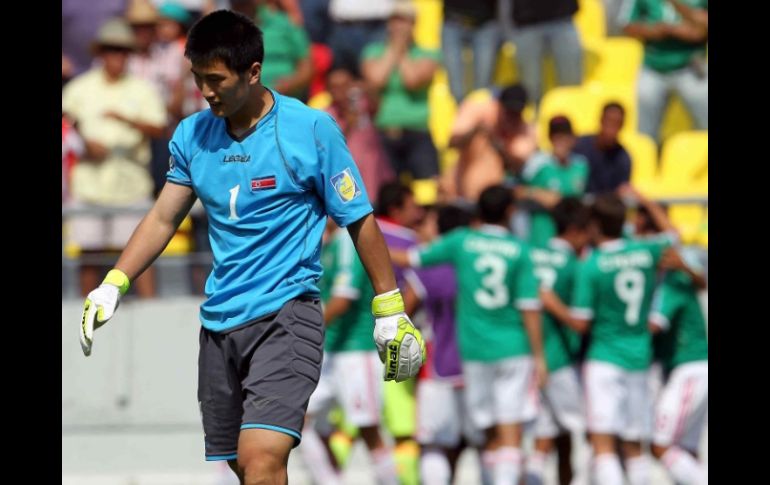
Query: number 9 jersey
{"points": [[614, 288]]}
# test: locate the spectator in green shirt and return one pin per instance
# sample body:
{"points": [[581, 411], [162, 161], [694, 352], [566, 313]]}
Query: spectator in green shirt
{"points": [[287, 67], [675, 35], [401, 72]]}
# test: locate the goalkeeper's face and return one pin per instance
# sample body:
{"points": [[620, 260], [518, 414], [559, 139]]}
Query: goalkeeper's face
{"points": [[225, 90]]}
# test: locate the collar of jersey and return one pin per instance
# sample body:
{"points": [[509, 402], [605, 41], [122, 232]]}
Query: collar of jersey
{"points": [[493, 229], [612, 244], [262, 121], [559, 243]]}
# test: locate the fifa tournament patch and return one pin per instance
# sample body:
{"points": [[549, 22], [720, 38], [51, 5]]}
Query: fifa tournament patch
{"points": [[263, 183], [171, 163], [345, 186]]}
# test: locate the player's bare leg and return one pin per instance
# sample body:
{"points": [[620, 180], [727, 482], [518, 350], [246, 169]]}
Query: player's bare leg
{"points": [[384, 466], [263, 456], [507, 453], [564, 453], [638, 466], [606, 463], [537, 460]]}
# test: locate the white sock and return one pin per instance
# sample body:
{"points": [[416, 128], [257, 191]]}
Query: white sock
{"points": [[384, 466], [434, 468], [317, 459], [638, 470], [607, 469], [488, 460], [507, 466], [535, 468], [683, 467]]}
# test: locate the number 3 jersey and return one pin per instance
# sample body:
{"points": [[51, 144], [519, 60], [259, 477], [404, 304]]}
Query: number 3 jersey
{"points": [[266, 194], [614, 288], [495, 281]]}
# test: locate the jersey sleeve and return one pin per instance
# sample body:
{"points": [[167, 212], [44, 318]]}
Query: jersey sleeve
{"points": [[525, 283], [540, 174], [339, 182], [441, 251], [660, 243], [664, 306], [179, 163]]}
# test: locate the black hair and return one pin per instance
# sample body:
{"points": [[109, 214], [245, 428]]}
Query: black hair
{"points": [[228, 36]]}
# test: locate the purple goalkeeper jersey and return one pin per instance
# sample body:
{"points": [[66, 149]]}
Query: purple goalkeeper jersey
{"points": [[440, 292], [397, 237]]}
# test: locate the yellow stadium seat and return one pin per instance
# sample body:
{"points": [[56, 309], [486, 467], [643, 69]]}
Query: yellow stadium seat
{"points": [[604, 93], [684, 164], [425, 191], [427, 29], [506, 72], [583, 106], [442, 109], [703, 231], [590, 20], [181, 242], [573, 102], [320, 101], [676, 119], [644, 158], [619, 61], [688, 219], [71, 250]]}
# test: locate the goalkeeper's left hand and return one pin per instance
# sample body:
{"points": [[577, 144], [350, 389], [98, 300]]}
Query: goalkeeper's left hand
{"points": [[399, 343]]}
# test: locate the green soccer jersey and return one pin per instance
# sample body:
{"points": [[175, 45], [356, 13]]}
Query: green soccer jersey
{"points": [[544, 172], [348, 279], [496, 280], [555, 269], [540, 173], [668, 54], [614, 289], [573, 176], [677, 311]]}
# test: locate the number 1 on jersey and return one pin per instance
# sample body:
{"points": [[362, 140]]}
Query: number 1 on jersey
{"points": [[233, 197]]}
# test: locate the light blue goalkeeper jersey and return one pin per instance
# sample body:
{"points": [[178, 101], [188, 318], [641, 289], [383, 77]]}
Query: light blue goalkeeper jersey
{"points": [[267, 194]]}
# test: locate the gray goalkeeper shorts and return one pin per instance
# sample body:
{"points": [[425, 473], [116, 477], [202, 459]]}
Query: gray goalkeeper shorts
{"points": [[260, 375]]}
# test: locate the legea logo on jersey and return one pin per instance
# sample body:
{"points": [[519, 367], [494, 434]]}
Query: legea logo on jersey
{"points": [[345, 185], [236, 158]]}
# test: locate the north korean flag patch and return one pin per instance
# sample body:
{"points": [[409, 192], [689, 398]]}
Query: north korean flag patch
{"points": [[263, 183]]}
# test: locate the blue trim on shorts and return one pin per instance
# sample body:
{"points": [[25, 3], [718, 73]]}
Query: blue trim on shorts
{"points": [[280, 429], [221, 457]]}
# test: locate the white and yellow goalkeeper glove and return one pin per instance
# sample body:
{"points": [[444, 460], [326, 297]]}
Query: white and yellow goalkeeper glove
{"points": [[399, 343], [100, 305]]}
